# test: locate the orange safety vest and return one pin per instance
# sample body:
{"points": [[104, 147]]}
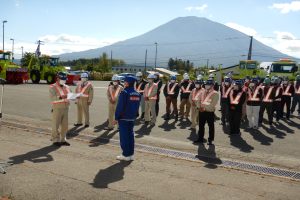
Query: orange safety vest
{"points": [[138, 89], [206, 100], [297, 91], [196, 94], [225, 94], [286, 91], [63, 93], [148, 91], [187, 89], [254, 96], [235, 100], [114, 93], [277, 93], [82, 90], [171, 91], [267, 97]]}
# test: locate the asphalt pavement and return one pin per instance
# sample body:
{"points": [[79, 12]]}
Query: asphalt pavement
{"points": [[276, 146]]}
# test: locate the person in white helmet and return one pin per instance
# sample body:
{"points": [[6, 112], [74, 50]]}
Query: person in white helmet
{"points": [[113, 92], [139, 86], [186, 87], [150, 96], [212, 77], [86, 91]]}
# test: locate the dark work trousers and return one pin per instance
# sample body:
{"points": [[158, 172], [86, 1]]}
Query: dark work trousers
{"points": [[126, 137], [157, 104], [224, 112], [208, 117], [266, 106], [286, 101], [235, 117], [172, 101], [277, 109], [296, 100]]}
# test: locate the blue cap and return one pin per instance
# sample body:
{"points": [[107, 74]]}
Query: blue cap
{"points": [[129, 79], [199, 82], [61, 75], [254, 80]]}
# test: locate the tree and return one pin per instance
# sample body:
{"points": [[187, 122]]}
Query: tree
{"points": [[25, 61]]}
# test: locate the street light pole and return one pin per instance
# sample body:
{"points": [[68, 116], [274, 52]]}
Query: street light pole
{"points": [[155, 55], [12, 49], [3, 22]]}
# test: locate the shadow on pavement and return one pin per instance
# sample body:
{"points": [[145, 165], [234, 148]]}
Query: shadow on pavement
{"points": [[73, 132], [184, 124], [36, 156], [100, 127], [109, 175], [275, 130], [208, 156], [193, 135], [168, 126], [238, 142], [103, 139], [292, 124], [260, 137], [144, 130]]}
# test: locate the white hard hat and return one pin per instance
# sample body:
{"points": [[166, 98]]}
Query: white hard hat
{"points": [[84, 75], [151, 76], [211, 76], [157, 74], [115, 77], [199, 77], [186, 76], [138, 74]]}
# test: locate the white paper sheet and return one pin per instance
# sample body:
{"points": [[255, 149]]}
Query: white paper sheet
{"points": [[73, 96]]}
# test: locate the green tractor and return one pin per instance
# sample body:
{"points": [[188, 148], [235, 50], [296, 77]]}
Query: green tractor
{"points": [[45, 68], [248, 68], [284, 67]]}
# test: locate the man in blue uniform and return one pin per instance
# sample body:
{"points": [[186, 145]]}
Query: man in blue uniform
{"points": [[127, 107]]}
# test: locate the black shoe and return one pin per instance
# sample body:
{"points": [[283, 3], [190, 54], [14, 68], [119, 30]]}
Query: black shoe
{"points": [[86, 126], [176, 117], [77, 125], [56, 144], [167, 117], [65, 144], [142, 116], [198, 141], [210, 143]]}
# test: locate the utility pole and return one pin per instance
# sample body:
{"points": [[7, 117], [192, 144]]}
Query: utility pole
{"points": [[250, 49], [145, 62], [207, 60], [111, 58], [22, 51], [155, 55], [38, 49]]}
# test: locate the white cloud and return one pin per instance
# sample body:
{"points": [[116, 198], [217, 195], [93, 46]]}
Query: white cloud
{"points": [[243, 29], [287, 7], [284, 42], [62, 43], [196, 8]]}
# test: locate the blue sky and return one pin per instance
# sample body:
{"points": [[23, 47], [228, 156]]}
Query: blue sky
{"points": [[75, 25]]}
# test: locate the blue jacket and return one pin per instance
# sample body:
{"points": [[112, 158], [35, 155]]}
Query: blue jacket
{"points": [[128, 105]]}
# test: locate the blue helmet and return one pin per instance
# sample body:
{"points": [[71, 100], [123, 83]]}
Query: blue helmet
{"points": [[200, 82], [254, 80], [238, 82], [172, 77], [129, 79], [209, 82]]}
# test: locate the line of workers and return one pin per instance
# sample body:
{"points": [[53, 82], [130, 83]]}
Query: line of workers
{"points": [[240, 100]]}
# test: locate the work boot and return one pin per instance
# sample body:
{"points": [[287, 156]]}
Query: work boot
{"points": [[167, 117], [65, 144], [198, 141], [86, 126], [176, 117], [77, 124]]}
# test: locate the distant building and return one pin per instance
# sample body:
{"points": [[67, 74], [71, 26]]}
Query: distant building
{"points": [[131, 69]]}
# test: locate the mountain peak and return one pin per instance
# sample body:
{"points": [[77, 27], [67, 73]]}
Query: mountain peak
{"points": [[197, 39]]}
